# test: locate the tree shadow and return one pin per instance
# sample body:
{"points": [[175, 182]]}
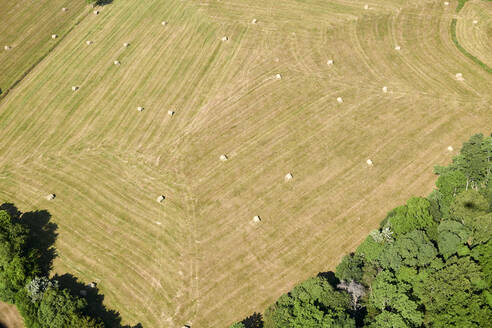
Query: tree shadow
{"points": [[42, 234], [330, 277], [253, 321], [103, 2], [3, 326], [95, 300]]}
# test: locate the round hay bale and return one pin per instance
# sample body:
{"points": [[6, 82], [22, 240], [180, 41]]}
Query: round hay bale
{"points": [[164, 23], [369, 162], [289, 177], [450, 148], [126, 44], [330, 62], [116, 62], [339, 100], [223, 157], [75, 88], [446, 3], [278, 77], [385, 89], [88, 42], [459, 76], [140, 108], [254, 21], [96, 12], [170, 112], [7, 48], [366, 6], [54, 36], [397, 48], [475, 21], [92, 285], [256, 219], [51, 197], [64, 9], [161, 198], [225, 38]]}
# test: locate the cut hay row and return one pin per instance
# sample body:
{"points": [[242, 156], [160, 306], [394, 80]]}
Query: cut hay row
{"points": [[472, 28], [26, 28], [197, 257]]}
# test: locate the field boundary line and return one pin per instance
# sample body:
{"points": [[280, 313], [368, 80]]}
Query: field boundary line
{"points": [[40, 59]]}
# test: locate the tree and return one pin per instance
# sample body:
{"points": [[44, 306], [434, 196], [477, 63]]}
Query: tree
{"points": [[238, 325], [468, 205], [414, 215], [37, 286], [313, 303], [452, 235], [452, 296], [474, 160], [59, 309], [17, 263], [449, 184], [350, 268], [390, 295]]}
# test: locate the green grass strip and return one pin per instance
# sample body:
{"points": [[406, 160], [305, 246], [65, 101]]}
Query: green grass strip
{"points": [[463, 50]]}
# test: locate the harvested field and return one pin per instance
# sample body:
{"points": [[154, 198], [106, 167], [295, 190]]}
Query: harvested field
{"points": [[206, 263]]}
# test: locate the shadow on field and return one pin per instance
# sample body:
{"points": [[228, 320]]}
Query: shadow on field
{"points": [[3, 326], [42, 236], [253, 321], [95, 300], [42, 233], [103, 2]]}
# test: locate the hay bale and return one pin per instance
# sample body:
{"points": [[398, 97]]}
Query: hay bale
{"points": [[96, 12], [366, 6], [161, 198], [254, 21], [83, 292], [225, 38], [75, 88], [170, 112], [88, 42], [385, 89], [92, 285], [397, 48], [54, 36], [140, 108], [278, 77], [116, 62], [51, 197], [186, 326], [369, 162], [256, 219], [450, 148], [446, 3], [475, 21], [340, 100], [126, 44], [330, 62], [7, 48], [459, 77], [223, 157], [64, 9], [164, 23], [289, 177]]}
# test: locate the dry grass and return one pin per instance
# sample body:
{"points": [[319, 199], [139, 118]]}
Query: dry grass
{"points": [[207, 263]]}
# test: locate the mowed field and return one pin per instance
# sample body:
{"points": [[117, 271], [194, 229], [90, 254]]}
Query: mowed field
{"points": [[197, 257]]}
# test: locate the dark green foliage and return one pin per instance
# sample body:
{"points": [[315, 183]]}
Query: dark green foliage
{"points": [[452, 235], [26, 250], [238, 325], [350, 268], [314, 303], [453, 296], [17, 263], [429, 264], [414, 215]]}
